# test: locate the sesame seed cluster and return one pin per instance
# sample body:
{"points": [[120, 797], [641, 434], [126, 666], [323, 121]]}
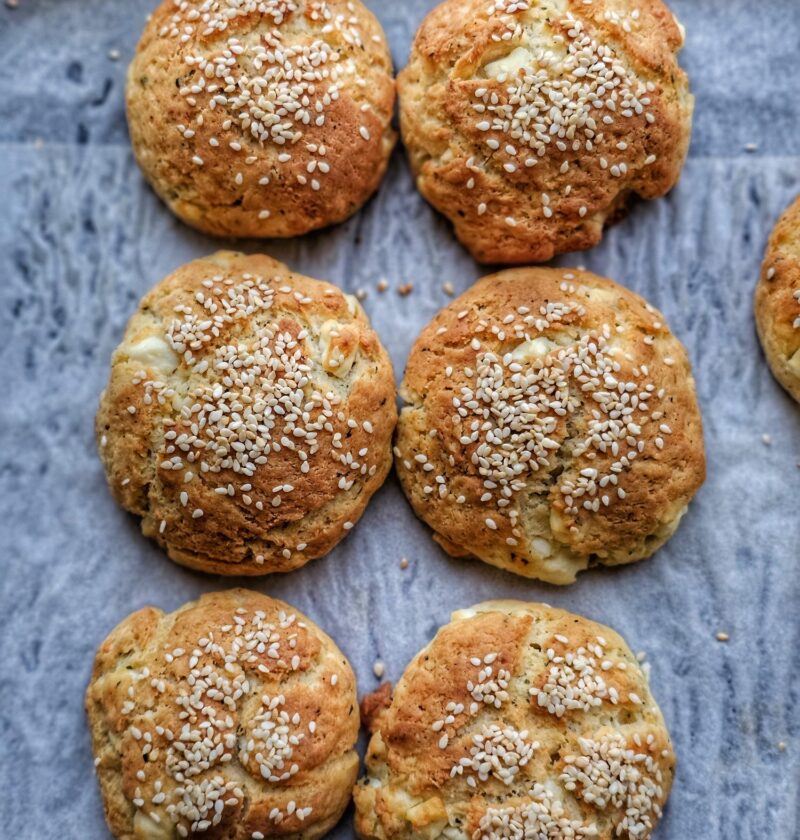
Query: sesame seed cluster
{"points": [[272, 98], [218, 721], [264, 397], [595, 762], [545, 395], [553, 113]]}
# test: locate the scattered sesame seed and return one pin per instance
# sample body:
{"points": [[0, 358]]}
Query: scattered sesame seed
{"points": [[269, 90], [554, 102], [260, 400], [207, 700], [609, 773]]}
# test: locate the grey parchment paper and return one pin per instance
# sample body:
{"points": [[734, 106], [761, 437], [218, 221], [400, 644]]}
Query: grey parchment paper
{"points": [[82, 238]]}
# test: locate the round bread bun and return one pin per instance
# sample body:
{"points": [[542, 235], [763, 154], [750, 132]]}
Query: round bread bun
{"points": [[518, 721], [778, 301], [550, 424], [233, 717], [529, 124], [262, 118], [248, 417]]}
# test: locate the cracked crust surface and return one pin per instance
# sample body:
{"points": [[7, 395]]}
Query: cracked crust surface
{"points": [[515, 722], [234, 699], [551, 423], [528, 124], [248, 416], [262, 118], [777, 301]]}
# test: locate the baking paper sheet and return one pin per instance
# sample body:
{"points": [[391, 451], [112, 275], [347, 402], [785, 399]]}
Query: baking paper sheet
{"points": [[82, 238]]}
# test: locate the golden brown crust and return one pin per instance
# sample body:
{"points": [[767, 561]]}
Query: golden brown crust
{"points": [[550, 423], [374, 705], [777, 301], [514, 715], [270, 124], [236, 698], [248, 416], [531, 164]]}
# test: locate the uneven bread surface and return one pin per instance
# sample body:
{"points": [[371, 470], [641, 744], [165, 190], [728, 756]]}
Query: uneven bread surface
{"points": [[233, 717], [777, 303], [262, 118], [528, 124], [550, 424], [248, 416], [517, 722]]}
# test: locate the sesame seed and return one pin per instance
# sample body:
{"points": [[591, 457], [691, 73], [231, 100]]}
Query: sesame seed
{"points": [[300, 81], [602, 774], [554, 102]]}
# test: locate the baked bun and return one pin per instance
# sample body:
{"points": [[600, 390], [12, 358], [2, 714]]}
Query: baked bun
{"points": [[262, 117], [233, 717], [550, 424], [778, 301], [529, 124], [518, 721], [248, 417]]}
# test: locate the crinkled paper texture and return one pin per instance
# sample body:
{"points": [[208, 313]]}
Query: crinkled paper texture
{"points": [[82, 239]]}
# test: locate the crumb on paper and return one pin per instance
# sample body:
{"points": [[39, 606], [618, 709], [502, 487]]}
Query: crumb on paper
{"points": [[378, 668], [383, 284], [448, 288], [405, 289], [403, 562], [766, 440], [722, 636]]}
